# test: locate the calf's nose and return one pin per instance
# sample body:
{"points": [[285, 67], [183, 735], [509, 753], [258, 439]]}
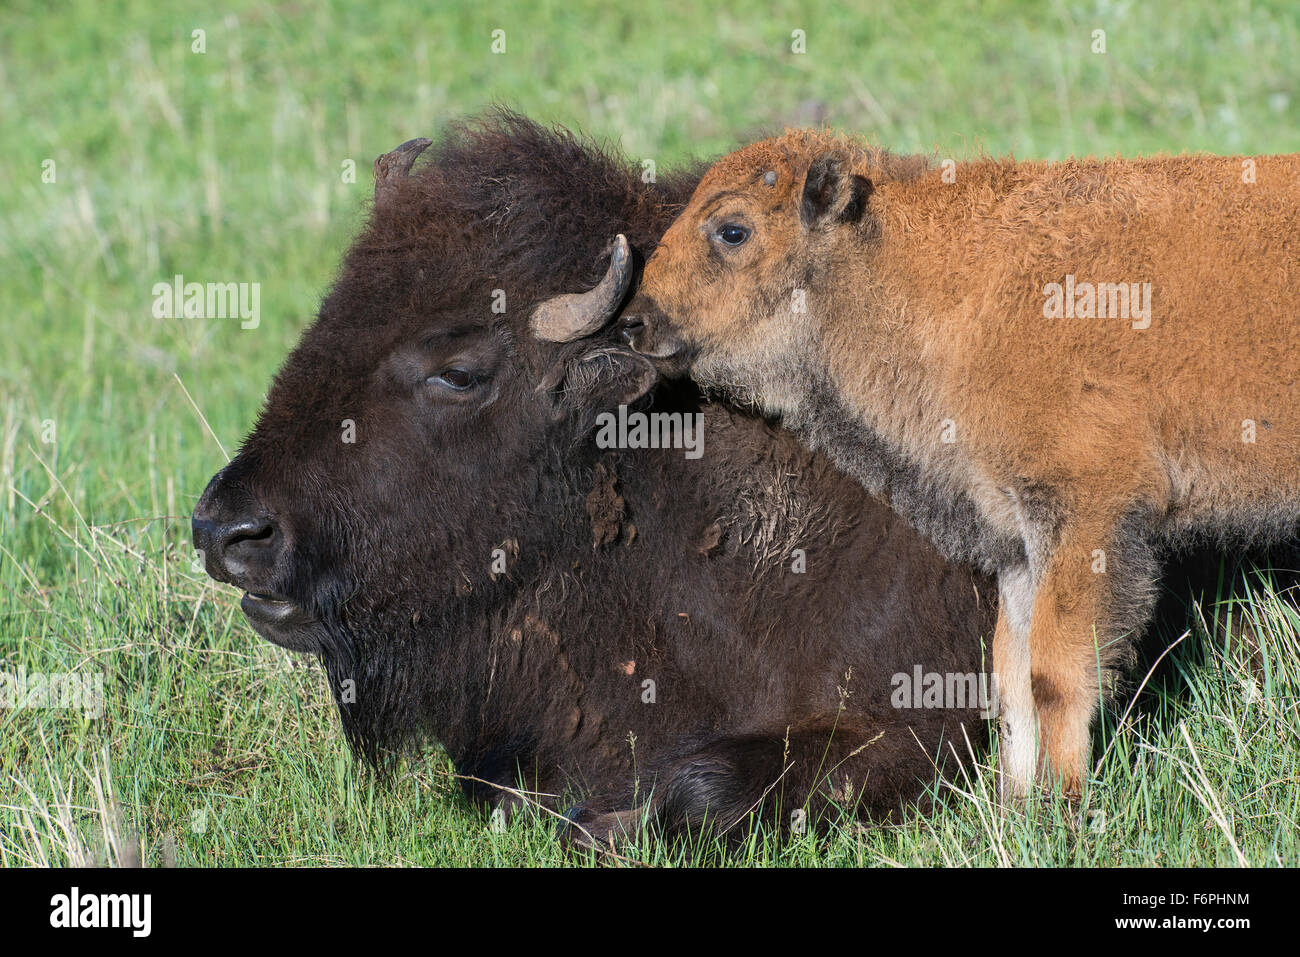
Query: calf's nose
{"points": [[631, 328]]}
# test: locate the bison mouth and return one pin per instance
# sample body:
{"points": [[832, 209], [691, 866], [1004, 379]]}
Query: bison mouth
{"points": [[279, 620]]}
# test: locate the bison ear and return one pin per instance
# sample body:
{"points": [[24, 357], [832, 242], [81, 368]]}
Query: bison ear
{"points": [[832, 193], [598, 380]]}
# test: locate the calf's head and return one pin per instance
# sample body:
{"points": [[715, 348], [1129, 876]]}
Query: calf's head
{"points": [[735, 286]]}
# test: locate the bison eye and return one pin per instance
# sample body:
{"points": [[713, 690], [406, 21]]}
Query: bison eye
{"points": [[457, 379], [732, 234]]}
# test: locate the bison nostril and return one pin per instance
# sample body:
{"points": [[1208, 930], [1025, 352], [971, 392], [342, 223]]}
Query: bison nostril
{"points": [[241, 551], [247, 544], [249, 532]]}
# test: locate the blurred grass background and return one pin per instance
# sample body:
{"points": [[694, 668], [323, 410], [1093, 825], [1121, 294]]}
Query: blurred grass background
{"points": [[216, 748]]}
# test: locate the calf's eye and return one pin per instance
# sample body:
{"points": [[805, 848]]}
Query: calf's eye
{"points": [[732, 234], [456, 379]]}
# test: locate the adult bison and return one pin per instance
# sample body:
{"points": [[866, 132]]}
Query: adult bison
{"points": [[423, 504]]}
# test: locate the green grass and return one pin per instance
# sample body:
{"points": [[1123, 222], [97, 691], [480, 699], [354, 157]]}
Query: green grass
{"points": [[217, 749]]}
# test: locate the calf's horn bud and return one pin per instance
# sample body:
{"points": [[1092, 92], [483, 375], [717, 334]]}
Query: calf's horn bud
{"points": [[578, 314], [394, 166]]}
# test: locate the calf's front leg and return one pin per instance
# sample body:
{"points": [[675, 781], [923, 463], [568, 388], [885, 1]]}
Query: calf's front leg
{"points": [[1018, 725], [1096, 590]]}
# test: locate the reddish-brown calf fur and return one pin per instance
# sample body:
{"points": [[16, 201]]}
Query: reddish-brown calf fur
{"points": [[903, 318]]}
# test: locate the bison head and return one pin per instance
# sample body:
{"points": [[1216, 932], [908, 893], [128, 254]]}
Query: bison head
{"points": [[389, 490]]}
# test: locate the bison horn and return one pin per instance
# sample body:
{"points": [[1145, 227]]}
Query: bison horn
{"points": [[394, 166], [578, 314]]}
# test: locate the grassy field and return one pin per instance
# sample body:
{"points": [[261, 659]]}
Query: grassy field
{"points": [[215, 748]]}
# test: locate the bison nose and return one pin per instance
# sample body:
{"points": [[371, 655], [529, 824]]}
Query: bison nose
{"points": [[241, 551]]}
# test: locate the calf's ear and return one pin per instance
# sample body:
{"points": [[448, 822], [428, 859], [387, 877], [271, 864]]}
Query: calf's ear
{"points": [[598, 379], [832, 192]]}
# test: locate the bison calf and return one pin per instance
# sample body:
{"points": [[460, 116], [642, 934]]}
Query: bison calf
{"points": [[1055, 371]]}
